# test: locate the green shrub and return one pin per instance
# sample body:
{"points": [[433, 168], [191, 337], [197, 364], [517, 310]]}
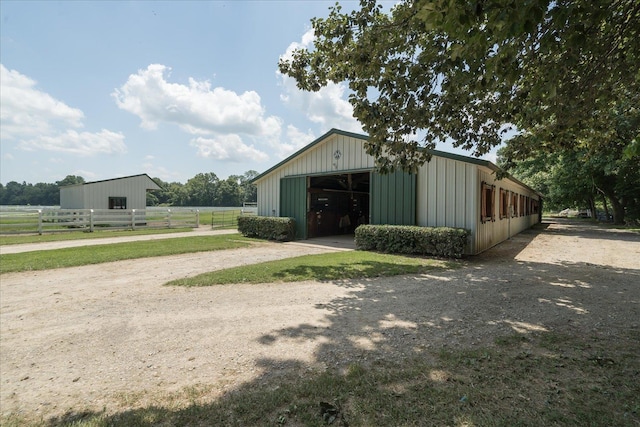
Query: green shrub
{"points": [[267, 227], [401, 239]]}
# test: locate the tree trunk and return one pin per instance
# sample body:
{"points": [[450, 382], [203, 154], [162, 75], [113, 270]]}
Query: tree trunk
{"points": [[618, 210], [606, 207], [592, 208]]}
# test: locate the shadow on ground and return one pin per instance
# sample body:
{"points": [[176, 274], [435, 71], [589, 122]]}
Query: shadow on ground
{"points": [[496, 342]]}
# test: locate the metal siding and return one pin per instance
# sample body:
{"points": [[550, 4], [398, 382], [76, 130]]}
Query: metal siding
{"points": [[490, 234], [313, 161], [450, 194], [72, 197], [459, 196], [293, 203], [433, 193], [472, 197], [393, 198], [447, 195]]}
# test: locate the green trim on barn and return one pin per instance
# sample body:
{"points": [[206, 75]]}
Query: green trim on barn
{"points": [[393, 198], [293, 202]]}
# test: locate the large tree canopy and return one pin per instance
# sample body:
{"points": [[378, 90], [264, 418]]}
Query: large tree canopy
{"points": [[467, 71]]}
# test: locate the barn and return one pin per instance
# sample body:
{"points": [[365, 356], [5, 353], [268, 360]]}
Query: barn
{"points": [[330, 187], [129, 192]]}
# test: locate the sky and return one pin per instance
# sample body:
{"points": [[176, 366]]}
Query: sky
{"points": [[105, 89]]}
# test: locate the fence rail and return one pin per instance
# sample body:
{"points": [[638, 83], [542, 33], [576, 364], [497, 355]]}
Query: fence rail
{"points": [[60, 220], [229, 218]]}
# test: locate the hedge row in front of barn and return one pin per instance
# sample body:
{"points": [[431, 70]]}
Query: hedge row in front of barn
{"points": [[401, 239], [267, 227]]}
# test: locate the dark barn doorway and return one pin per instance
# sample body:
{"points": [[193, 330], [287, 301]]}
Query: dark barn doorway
{"points": [[337, 203]]}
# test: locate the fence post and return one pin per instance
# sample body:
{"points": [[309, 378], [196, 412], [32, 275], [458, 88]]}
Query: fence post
{"points": [[197, 218], [40, 221], [91, 220], [168, 218], [133, 219]]}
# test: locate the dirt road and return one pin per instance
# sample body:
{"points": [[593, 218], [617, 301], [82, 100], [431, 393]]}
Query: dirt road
{"points": [[111, 335]]}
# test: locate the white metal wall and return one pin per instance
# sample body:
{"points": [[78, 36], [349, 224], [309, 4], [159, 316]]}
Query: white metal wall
{"points": [[134, 188], [447, 195], [319, 159], [72, 197], [491, 233]]}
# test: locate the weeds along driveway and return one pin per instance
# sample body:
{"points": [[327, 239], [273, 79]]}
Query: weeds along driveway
{"points": [[111, 335]]}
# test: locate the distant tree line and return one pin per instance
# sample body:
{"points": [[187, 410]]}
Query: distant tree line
{"points": [[204, 189]]}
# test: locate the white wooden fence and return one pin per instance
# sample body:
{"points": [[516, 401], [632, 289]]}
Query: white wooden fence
{"points": [[55, 220]]}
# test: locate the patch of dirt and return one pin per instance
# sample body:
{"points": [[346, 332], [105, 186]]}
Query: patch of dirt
{"points": [[111, 335]]}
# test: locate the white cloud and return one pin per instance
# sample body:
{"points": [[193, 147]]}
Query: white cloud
{"points": [[37, 121], [159, 171], [327, 107], [229, 126], [228, 147], [197, 108], [80, 143], [297, 138]]}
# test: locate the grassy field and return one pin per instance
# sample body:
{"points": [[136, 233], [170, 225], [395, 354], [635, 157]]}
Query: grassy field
{"points": [[331, 266], [71, 257], [534, 380]]}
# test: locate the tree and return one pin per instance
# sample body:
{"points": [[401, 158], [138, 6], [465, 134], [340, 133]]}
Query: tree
{"points": [[601, 161], [70, 180], [580, 177], [178, 194], [202, 189], [468, 71], [229, 192], [249, 189]]}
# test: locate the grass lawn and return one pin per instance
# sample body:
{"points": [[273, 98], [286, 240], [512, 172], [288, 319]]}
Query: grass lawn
{"points": [[331, 266], [543, 379], [72, 257], [80, 235]]}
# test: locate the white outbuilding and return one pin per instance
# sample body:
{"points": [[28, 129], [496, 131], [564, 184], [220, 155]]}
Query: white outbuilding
{"points": [[330, 187], [129, 192]]}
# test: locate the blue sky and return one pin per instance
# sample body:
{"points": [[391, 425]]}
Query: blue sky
{"points": [[104, 89]]}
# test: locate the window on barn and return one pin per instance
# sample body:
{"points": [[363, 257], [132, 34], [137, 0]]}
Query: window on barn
{"points": [[117, 203], [514, 204], [521, 209], [535, 206], [487, 208], [504, 203]]}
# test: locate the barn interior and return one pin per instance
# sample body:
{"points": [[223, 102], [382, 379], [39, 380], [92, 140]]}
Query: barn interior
{"points": [[337, 204]]}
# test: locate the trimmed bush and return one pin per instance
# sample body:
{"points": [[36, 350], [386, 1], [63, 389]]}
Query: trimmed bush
{"points": [[402, 239], [267, 227]]}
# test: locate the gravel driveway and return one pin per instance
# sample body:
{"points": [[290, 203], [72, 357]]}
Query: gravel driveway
{"points": [[96, 336]]}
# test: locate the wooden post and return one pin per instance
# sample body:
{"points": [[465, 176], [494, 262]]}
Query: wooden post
{"points": [[40, 221], [197, 218], [168, 218], [133, 219], [91, 220]]}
